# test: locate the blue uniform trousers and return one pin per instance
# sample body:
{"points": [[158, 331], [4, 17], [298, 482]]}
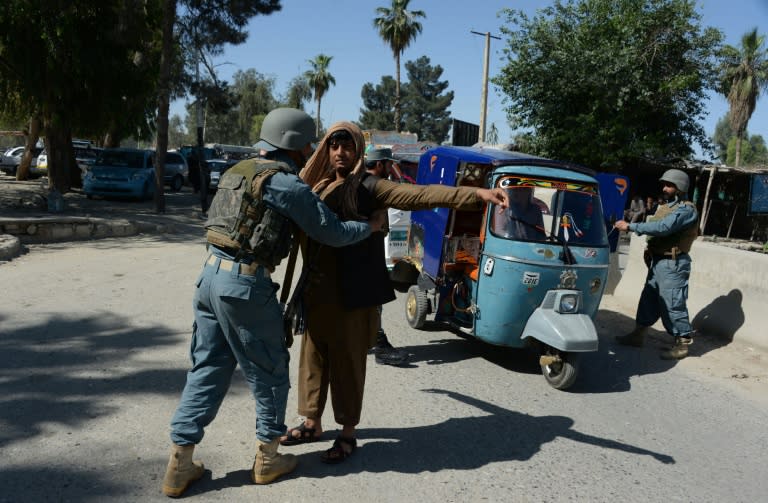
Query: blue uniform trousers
{"points": [[665, 294], [237, 321]]}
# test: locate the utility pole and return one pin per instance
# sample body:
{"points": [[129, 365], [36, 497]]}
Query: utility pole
{"points": [[484, 95]]}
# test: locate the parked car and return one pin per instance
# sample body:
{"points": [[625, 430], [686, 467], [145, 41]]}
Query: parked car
{"points": [[121, 172], [9, 163], [176, 171], [85, 157], [217, 167], [41, 166]]}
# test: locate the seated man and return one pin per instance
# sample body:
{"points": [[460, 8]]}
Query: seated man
{"points": [[636, 211], [523, 219]]}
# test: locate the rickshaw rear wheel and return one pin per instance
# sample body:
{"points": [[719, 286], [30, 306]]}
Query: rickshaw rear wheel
{"points": [[416, 307], [559, 368]]}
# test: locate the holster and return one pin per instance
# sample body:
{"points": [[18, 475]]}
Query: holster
{"points": [[647, 258]]}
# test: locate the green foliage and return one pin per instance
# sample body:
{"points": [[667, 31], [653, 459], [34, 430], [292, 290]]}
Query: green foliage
{"points": [[608, 81], [378, 103], [320, 80], [204, 28], [723, 134], [398, 27], [492, 136], [252, 94], [425, 102], [177, 137], [753, 151], [425, 110], [744, 72], [298, 92], [75, 63]]}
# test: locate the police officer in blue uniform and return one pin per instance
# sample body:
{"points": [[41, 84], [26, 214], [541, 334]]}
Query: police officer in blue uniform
{"points": [[671, 232], [238, 320]]}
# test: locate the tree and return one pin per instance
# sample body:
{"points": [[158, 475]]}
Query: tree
{"points": [[254, 95], [203, 28], [721, 138], [426, 105], [752, 151], [78, 82], [250, 95], [398, 27], [609, 81], [493, 134], [177, 135], [378, 111], [298, 92], [745, 73], [320, 80]]}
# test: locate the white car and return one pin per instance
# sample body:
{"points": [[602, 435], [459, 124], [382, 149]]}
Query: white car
{"points": [[12, 158], [396, 241]]}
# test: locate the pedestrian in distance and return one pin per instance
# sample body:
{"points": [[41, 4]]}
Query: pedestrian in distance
{"points": [[671, 231], [378, 162], [238, 320], [348, 284], [636, 211], [651, 205]]}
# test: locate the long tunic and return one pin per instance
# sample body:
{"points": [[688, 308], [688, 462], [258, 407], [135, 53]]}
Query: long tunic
{"points": [[334, 349]]}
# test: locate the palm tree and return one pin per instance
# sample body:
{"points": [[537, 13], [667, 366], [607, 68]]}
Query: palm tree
{"points": [[745, 73], [320, 80], [398, 27]]}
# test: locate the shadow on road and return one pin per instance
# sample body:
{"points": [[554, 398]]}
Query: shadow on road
{"points": [[461, 443], [608, 370], [66, 371]]}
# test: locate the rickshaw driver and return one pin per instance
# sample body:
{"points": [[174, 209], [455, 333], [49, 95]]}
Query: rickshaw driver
{"points": [[523, 219]]}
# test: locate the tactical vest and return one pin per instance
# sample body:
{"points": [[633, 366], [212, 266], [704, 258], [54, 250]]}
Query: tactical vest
{"points": [[239, 219], [682, 240]]}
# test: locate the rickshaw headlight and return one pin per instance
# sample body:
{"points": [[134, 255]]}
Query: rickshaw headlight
{"points": [[569, 303]]}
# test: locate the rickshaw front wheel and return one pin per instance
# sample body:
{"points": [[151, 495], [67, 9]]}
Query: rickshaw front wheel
{"points": [[559, 368], [416, 307]]}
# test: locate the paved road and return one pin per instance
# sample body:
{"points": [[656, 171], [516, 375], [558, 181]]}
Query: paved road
{"points": [[93, 352]]}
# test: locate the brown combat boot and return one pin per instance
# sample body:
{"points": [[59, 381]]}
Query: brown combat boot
{"points": [[268, 464], [635, 338], [181, 471], [679, 349]]}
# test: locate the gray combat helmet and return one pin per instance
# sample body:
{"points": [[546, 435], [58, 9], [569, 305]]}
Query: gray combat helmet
{"points": [[287, 129], [676, 177]]}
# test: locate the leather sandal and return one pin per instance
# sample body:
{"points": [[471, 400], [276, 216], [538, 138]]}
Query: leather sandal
{"points": [[338, 453], [306, 435]]}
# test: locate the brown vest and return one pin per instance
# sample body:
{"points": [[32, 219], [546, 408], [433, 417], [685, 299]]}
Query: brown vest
{"points": [[680, 241]]}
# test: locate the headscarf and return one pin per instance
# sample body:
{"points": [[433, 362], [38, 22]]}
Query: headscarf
{"points": [[319, 174]]}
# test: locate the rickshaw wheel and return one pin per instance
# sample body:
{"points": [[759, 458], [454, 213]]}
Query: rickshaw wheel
{"points": [[416, 306], [560, 374]]}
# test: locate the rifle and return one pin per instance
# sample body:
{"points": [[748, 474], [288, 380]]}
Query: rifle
{"points": [[294, 322]]}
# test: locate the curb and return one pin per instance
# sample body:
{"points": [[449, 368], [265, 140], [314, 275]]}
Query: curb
{"points": [[10, 247], [17, 231]]}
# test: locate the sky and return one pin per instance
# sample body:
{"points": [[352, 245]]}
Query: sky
{"points": [[280, 45]]}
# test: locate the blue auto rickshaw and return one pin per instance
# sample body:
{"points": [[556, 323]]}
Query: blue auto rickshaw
{"points": [[529, 276]]}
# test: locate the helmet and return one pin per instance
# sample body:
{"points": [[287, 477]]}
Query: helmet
{"points": [[676, 177], [286, 128]]}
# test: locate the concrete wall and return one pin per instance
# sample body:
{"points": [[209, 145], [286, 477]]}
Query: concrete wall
{"points": [[727, 294]]}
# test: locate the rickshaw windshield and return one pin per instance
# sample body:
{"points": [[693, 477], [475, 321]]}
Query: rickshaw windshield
{"points": [[550, 210]]}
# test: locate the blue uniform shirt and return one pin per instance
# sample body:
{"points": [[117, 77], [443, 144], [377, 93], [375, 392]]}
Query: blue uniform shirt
{"points": [[293, 198], [683, 216]]}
